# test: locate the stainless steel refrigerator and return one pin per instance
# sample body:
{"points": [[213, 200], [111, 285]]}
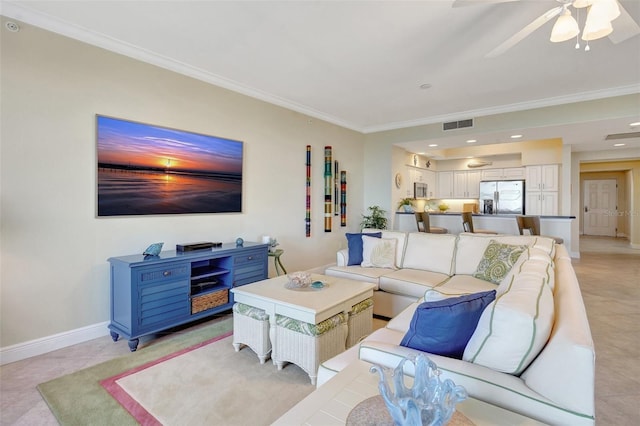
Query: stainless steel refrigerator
{"points": [[502, 197]]}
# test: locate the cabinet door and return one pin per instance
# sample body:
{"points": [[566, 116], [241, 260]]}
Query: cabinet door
{"points": [[534, 178], [492, 174], [460, 184], [473, 184], [445, 184], [513, 173], [549, 203], [533, 203], [430, 180], [549, 177]]}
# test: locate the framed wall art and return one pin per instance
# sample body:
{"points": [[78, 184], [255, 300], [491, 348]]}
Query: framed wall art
{"points": [[145, 169]]}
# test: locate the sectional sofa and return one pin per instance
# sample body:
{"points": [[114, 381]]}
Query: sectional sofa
{"points": [[531, 349]]}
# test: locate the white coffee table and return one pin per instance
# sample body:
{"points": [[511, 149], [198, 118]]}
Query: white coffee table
{"points": [[331, 403], [311, 306]]}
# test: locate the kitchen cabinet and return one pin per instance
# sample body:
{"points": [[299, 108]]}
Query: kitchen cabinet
{"points": [[466, 184], [542, 203], [445, 185], [509, 173], [542, 189], [543, 178]]}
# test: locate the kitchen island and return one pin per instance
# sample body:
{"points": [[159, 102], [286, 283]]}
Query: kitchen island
{"points": [[555, 226]]}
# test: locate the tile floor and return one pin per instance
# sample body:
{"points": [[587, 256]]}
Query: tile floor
{"points": [[609, 275]]}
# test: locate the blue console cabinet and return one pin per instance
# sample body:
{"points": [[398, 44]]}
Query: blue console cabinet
{"points": [[153, 293]]}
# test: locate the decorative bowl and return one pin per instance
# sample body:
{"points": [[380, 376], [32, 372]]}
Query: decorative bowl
{"points": [[298, 280]]}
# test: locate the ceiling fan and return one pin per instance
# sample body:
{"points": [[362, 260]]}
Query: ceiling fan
{"points": [[600, 14]]}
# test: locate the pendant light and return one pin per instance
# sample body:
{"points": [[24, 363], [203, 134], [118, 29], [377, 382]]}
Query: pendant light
{"points": [[565, 27]]}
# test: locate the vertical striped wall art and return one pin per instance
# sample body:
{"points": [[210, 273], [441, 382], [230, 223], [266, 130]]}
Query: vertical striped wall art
{"points": [[307, 219], [336, 189], [343, 198], [327, 189]]}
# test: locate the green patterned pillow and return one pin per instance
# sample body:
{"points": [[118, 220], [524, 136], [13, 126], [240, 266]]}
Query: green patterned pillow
{"points": [[497, 261]]}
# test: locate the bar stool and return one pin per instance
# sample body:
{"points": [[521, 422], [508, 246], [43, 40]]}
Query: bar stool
{"points": [[532, 224], [467, 225], [423, 218]]}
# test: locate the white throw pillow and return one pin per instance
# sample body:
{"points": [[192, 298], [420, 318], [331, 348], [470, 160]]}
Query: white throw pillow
{"points": [[514, 328], [378, 252]]}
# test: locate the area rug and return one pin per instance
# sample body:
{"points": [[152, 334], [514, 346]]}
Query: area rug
{"points": [[196, 378]]}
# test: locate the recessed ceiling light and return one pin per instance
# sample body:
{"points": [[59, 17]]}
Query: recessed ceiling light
{"points": [[433, 145], [634, 124], [472, 141], [425, 86], [619, 144], [516, 136]]}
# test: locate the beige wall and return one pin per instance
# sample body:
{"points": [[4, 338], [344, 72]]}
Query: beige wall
{"points": [[54, 271]]}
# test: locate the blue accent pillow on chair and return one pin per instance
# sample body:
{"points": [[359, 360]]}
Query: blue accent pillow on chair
{"points": [[354, 243], [444, 327]]}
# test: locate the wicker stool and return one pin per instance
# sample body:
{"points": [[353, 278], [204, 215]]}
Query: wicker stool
{"points": [[251, 328], [308, 345], [360, 321]]}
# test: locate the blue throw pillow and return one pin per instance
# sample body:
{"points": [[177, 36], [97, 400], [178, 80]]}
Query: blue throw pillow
{"points": [[354, 243], [444, 327]]}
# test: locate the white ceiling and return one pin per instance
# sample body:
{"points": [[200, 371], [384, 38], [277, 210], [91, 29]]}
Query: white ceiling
{"points": [[359, 64]]}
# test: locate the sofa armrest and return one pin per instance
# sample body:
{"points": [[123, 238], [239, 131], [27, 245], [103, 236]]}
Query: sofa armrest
{"points": [[342, 257]]}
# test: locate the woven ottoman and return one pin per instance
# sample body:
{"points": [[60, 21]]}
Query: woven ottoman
{"points": [[360, 321], [251, 328], [308, 345]]}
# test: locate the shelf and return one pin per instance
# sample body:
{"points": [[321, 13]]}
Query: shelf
{"points": [[206, 272]]}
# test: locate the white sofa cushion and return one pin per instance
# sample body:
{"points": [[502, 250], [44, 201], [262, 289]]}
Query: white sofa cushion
{"points": [[515, 327], [458, 285], [378, 252], [430, 252], [357, 273], [410, 282]]}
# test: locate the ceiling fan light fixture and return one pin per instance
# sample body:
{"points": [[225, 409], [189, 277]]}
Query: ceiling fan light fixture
{"points": [[596, 27], [579, 4], [565, 28], [599, 18]]}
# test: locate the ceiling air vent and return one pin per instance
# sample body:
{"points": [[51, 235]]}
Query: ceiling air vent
{"points": [[457, 124], [616, 136]]}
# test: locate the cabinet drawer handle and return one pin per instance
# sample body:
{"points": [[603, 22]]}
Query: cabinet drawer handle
{"points": [[249, 257], [166, 273]]}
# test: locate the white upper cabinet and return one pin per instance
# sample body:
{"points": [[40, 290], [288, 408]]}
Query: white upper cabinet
{"points": [[509, 173], [445, 185], [466, 184], [543, 178]]}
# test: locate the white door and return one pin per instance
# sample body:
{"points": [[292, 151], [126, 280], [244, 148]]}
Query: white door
{"points": [[600, 209]]}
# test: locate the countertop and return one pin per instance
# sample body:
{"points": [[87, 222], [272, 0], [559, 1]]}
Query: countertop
{"points": [[486, 215]]}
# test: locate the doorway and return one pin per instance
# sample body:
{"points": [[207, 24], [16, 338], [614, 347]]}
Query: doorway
{"points": [[600, 213]]}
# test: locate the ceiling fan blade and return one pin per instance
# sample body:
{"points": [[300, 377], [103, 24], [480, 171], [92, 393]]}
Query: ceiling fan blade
{"points": [[624, 27], [464, 3], [525, 32]]}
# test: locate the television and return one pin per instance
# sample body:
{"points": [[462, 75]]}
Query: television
{"points": [[420, 190], [145, 169]]}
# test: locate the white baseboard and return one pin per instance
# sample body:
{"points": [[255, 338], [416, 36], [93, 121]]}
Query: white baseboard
{"points": [[51, 343]]}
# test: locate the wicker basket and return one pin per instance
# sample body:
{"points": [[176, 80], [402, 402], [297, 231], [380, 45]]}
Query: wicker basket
{"points": [[208, 301]]}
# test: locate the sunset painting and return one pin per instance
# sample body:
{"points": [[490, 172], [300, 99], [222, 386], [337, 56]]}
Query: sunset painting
{"points": [[145, 169]]}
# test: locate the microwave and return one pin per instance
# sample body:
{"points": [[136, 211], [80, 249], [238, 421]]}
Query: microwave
{"points": [[420, 190]]}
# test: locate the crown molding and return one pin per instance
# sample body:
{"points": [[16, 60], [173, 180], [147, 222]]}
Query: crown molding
{"points": [[86, 35]]}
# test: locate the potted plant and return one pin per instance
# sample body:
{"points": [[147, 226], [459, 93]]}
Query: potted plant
{"points": [[407, 204], [376, 219]]}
